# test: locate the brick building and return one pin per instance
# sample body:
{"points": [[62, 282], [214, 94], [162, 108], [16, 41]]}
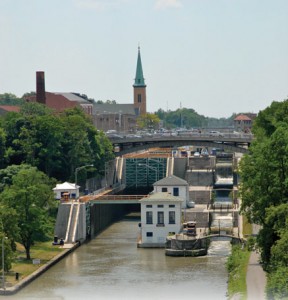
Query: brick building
{"points": [[119, 117], [57, 101]]}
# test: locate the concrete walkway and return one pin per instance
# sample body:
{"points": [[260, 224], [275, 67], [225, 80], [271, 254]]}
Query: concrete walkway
{"points": [[255, 279]]}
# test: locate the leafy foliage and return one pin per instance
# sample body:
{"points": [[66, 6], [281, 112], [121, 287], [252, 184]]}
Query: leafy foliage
{"points": [[188, 118], [29, 196], [264, 191], [148, 121], [55, 144], [10, 99]]}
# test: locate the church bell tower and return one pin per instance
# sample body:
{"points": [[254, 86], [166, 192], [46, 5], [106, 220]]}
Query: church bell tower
{"points": [[139, 88]]}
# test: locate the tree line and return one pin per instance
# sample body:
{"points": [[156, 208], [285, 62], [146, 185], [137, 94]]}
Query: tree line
{"points": [[189, 118], [182, 117], [39, 148], [264, 193]]}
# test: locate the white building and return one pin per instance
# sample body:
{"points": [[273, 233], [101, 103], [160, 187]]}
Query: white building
{"points": [[175, 186], [160, 216], [66, 187]]}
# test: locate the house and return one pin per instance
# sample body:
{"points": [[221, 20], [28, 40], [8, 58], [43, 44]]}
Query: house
{"points": [[243, 122], [160, 217], [175, 186], [66, 187]]}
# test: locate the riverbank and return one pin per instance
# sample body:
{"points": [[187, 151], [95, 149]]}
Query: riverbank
{"points": [[44, 257]]}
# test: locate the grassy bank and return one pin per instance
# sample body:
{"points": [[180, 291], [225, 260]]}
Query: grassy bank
{"points": [[237, 267], [237, 264], [42, 251]]}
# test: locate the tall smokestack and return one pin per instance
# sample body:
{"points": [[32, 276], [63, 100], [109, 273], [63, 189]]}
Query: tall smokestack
{"points": [[40, 87]]}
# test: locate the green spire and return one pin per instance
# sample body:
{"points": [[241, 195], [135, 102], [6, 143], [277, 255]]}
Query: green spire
{"points": [[139, 79]]}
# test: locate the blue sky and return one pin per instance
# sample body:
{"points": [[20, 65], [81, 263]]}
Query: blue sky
{"points": [[215, 56]]}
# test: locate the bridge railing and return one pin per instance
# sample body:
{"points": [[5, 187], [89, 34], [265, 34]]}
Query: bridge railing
{"points": [[116, 197]]}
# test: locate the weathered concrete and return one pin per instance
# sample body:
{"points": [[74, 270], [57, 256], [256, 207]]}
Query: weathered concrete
{"points": [[72, 228], [62, 220], [199, 177]]}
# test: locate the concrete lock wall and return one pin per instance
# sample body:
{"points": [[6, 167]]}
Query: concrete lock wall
{"points": [[81, 226], [200, 178], [62, 220], [102, 215]]}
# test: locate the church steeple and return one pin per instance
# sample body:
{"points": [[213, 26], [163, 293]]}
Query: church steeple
{"points": [[139, 78], [139, 88]]}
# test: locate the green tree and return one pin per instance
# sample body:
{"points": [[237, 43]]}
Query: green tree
{"points": [[9, 232], [83, 143], [148, 121], [2, 147], [277, 284], [55, 144], [264, 193], [189, 118], [9, 253], [10, 99], [7, 174], [31, 196], [264, 183]]}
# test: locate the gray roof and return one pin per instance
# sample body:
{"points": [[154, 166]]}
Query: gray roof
{"points": [[171, 180], [126, 109], [73, 97], [161, 197]]}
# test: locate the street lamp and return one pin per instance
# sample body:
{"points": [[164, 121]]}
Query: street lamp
{"points": [[78, 169], [3, 264]]}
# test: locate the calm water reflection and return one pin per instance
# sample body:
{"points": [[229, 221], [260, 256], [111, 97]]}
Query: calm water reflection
{"points": [[111, 267]]}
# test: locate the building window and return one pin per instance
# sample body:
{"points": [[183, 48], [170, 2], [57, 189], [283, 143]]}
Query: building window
{"points": [[176, 191], [171, 205], [160, 205], [149, 217], [164, 190], [139, 98], [149, 234], [160, 218], [171, 217], [148, 206]]}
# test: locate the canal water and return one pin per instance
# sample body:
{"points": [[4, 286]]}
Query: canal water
{"points": [[112, 267]]}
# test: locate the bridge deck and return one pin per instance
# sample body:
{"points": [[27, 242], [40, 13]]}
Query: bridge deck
{"points": [[237, 143], [115, 199]]}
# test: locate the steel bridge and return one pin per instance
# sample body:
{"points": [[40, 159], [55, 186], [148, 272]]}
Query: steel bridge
{"points": [[234, 143]]}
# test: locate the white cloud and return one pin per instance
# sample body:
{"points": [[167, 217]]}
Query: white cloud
{"points": [[162, 4]]}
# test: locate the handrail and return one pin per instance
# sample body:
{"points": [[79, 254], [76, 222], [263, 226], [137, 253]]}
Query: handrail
{"points": [[118, 197], [75, 224], [69, 222]]}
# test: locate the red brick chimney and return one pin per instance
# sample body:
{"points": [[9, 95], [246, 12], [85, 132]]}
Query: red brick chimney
{"points": [[40, 87]]}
